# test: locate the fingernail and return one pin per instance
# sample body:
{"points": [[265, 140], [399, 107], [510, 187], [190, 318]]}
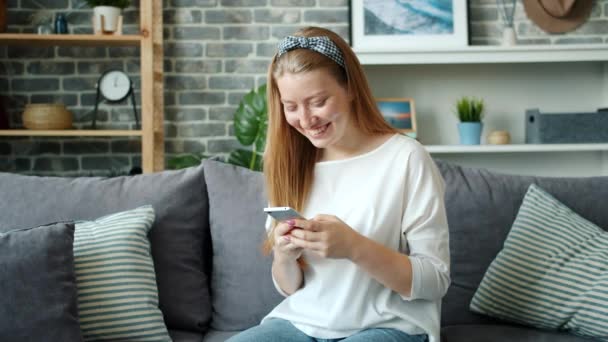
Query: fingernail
{"points": [[291, 222], [286, 238]]}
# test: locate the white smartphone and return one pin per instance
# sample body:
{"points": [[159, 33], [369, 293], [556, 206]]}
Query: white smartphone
{"points": [[283, 213]]}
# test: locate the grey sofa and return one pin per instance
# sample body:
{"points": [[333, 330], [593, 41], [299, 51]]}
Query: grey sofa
{"points": [[213, 280]]}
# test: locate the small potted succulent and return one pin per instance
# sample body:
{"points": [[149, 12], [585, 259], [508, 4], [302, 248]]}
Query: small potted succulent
{"points": [[110, 10], [470, 114]]}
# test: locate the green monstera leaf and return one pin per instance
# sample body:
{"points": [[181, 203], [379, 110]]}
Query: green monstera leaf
{"points": [[185, 160], [245, 158], [250, 117], [122, 4], [250, 125]]}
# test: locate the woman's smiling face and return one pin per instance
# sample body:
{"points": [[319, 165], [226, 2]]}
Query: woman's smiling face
{"points": [[317, 106]]}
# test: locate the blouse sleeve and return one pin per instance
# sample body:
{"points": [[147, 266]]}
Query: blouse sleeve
{"points": [[424, 230]]}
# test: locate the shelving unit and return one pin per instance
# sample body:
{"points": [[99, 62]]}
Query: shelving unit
{"points": [[69, 40], [490, 54], [150, 41], [553, 78], [516, 148], [71, 133]]}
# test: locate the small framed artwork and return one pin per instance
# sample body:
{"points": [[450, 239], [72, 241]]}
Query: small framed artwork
{"points": [[405, 25], [399, 113]]}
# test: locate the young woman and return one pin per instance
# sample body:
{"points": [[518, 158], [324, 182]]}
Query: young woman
{"points": [[372, 261]]}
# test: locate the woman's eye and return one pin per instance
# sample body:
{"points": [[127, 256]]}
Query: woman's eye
{"points": [[289, 108], [319, 103]]}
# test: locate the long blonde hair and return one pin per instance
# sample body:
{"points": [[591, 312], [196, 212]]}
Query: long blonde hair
{"points": [[290, 158]]}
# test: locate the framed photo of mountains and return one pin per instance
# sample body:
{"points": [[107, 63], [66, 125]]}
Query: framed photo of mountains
{"points": [[406, 25]]}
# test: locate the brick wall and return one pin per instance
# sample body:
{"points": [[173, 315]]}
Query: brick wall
{"points": [[486, 26], [215, 52]]}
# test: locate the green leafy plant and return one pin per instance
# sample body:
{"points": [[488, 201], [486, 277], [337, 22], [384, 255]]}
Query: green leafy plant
{"points": [[122, 4], [469, 109], [250, 125], [185, 160]]}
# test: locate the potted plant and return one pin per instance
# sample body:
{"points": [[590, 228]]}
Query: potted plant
{"points": [[470, 114], [106, 14], [250, 125]]}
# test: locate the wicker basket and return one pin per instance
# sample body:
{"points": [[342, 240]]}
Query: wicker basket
{"points": [[47, 116]]}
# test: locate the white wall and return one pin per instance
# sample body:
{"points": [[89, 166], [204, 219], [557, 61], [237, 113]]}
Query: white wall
{"points": [[508, 90]]}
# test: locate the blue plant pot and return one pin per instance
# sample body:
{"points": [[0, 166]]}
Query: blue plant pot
{"points": [[470, 133]]}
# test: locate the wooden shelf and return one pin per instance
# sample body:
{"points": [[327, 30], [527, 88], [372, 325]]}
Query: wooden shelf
{"points": [[516, 148], [490, 54], [150, 43], [70, 133], [30, 39]]}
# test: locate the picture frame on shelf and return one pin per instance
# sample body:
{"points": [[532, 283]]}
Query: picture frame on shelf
{"points": [[399, 113], [406, 25]]}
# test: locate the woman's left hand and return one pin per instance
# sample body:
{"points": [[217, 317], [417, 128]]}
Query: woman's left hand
{"points": [[325, 235]]}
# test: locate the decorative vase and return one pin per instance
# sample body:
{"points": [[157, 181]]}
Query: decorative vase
{"points": [[4, 120], [508, 36], [105, 18], [45, 29], [470, 133], [498, 138], [61, 24]]}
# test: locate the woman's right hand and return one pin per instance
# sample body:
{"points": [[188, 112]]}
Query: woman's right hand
{"points": [[283, 247]]}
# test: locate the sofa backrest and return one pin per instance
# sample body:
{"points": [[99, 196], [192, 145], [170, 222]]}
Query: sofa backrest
{"points": [[481, 207], [179, 237], [242, 292]]}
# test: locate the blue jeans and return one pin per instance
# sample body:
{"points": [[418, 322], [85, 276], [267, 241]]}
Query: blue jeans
{"points": [[279, 330]]}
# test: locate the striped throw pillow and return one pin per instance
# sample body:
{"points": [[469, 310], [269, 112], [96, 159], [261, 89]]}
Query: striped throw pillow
{"points": [[117, 293], [552, 272]]}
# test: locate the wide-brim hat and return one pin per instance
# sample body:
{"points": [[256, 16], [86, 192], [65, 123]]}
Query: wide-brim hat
{"points": [[558, 16]]}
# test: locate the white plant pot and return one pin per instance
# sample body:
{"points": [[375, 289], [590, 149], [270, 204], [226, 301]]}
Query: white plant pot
{"points": [[508, 36], [110, 18]]}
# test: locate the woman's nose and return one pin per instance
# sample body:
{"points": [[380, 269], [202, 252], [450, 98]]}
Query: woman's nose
{"points": [[307, 119]]}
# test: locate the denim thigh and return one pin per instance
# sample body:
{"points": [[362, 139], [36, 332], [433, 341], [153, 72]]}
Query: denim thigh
{"points": [[384, 335], [273, 330]]}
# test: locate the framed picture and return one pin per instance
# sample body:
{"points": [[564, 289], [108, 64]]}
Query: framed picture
{"points": [[399, 113], [402, 25]]}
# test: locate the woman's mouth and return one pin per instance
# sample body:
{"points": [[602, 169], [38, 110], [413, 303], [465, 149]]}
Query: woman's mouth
{"points": [[318, 131]]}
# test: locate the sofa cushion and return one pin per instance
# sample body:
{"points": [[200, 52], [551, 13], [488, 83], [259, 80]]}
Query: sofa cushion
{"points": [[185, 336], [117, 294], [38, 299], [503, 333], [180, 237], [552, 272], [219, 336], [481, 207], [241, 282]]}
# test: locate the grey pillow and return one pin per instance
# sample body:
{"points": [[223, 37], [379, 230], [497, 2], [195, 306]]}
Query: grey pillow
{"points": [[481, 207], [180, 237], [38, 300], [241, 282], [551, 273]]}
